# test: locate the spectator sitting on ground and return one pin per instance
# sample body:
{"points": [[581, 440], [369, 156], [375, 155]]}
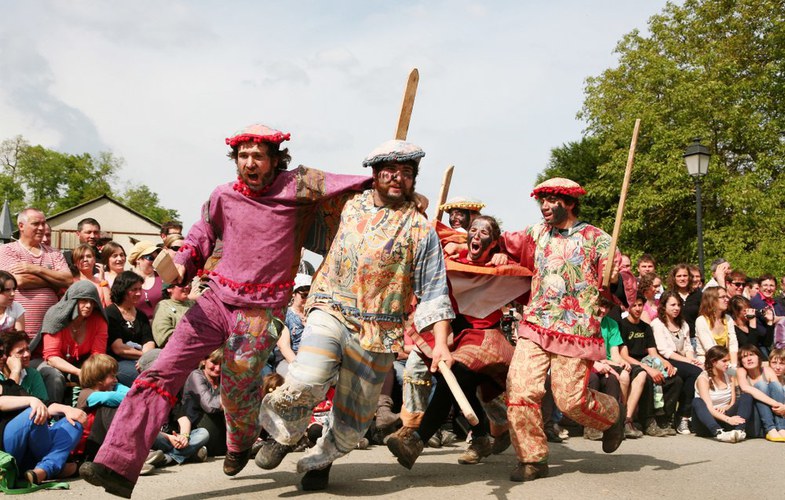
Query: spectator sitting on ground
{"points": [[203, 389], [40, 449], [129, 331], [640, 349], [40, 271], [12, 314], [99, 397], [673, 343], [647, 288], [142, 257], [113, 262], [84, 262], [714, 326], [169, 311], [74, 329], [761, 383], [171, 227], [765, 300], [746, 323], [16, 345], [720, 269], [289, 342], [777, 364], [716, 411]]}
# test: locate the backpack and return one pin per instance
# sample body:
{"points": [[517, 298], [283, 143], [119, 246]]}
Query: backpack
{"points": [[11, 484]]}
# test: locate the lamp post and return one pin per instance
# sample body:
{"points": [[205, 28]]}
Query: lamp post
{"points": [[697, 156]]}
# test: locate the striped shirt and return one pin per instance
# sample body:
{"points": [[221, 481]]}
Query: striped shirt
{"points": [[36, 301]]}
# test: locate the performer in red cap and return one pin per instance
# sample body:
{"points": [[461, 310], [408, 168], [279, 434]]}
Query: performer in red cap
{"points": [[263, 219], [560, 329]]}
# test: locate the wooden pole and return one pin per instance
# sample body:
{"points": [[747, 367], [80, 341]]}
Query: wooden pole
{"points": [[446, 180], [407, 105], [606, 277]]}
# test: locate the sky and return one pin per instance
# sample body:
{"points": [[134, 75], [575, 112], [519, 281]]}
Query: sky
{"points": [[162, 84]]}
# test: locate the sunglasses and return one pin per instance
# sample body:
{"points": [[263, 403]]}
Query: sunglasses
{"points": [[176, 247], [737, 284], [151, 257]]}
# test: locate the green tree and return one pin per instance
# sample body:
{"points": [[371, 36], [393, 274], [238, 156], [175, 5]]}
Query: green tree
{"points": [[146, 202], [709, 68]]}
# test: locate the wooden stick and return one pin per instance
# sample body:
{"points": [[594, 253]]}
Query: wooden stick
{"points": [[446, 180], [407, 105], [606, 278]]}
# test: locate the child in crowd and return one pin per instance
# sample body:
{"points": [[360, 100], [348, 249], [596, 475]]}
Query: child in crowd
{"points": [[762, 384], [99, 397], [716, 411], [12, 314], [202, 392]]}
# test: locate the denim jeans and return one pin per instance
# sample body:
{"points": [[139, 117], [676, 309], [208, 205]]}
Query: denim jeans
{"points": [[707, 426], [770, 420], [199, 438]]}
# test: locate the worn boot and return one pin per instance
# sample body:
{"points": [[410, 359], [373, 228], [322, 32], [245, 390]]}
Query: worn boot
{"points": [[528, 472], [271, 454], [406, 448], [386, 420], [501, 443], [479, 449], [234, 462], [316, 480]]}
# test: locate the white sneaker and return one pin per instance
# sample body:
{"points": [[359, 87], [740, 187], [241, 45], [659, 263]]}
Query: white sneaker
{"points": [[726, 436], [740, 435], [684, 427]]}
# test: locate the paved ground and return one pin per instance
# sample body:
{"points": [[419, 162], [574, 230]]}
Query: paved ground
{"points": [[673, 467]]}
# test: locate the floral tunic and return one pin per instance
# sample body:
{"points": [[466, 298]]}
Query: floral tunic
{"points": [[378, 260], [563, 313]]}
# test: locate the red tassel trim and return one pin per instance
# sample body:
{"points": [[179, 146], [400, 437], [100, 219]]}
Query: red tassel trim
{"points": [[150, 385], [275, 138], [522, 403], [244, 190], [575, 192], [566, 337], [247, 288], [186, 247]]}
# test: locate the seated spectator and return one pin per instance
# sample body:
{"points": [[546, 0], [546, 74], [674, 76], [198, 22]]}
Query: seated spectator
{"points": [[720, 269], [16, 345], [761, 383], [765, 300], [99, 397], [41, 450], [662, 388], [12, 314], [73, 330], [735, 283], [203, 389], [129, 330], [777, 364], [142, 257], [113, 261], [679, 281], [751, 287], [171, 227], [646, 287], [671, 334], [84, 262], [289, 342], [714, 326], [745, 322], [716, 411], [696, 277], [173, 242], [169, 311]]}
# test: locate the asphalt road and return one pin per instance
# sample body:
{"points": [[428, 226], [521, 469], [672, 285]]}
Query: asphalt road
{"points": [[671, 467]]}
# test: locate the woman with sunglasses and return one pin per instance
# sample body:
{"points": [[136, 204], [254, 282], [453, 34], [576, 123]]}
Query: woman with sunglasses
{"points": [[12, 314], [289, 342], [142, 257]]}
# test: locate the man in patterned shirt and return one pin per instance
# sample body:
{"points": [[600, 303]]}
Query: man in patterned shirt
{"points": [[560, 329], [385, 253]]}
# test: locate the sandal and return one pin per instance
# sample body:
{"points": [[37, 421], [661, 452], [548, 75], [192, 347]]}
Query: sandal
{"points": [[32, 477]]}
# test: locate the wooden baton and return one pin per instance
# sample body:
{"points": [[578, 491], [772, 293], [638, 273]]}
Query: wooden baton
{"points": [[407, 105]]}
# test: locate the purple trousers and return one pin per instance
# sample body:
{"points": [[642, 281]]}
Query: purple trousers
{"points": [[249, 335]]}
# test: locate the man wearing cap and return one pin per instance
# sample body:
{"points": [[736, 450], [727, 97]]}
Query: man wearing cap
{"points": [[560, 328], [462, 212], [264, 219], [289, 343], [384, 254]]}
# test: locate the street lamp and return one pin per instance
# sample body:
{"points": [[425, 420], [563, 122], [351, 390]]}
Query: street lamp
{"points": [[697, 156]]}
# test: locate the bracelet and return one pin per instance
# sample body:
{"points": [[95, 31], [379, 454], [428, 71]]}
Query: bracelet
{"points": [[186, 435]]}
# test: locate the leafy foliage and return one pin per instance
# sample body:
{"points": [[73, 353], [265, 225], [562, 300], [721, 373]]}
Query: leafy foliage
{"points": [[54, 181], [713, 69]]}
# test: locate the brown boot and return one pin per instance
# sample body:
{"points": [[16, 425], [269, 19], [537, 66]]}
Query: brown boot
{"points": [[479, 449], [386, 420], [405, 446], [528, 472]]}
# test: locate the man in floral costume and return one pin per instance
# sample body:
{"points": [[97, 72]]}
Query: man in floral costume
{"points": [[263, 219], [560, 328], [384, 254]]}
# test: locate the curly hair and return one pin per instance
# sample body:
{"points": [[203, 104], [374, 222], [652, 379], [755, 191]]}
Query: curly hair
{"points": [[122, 284], [273, 150], [679, 319], [670, 280]]}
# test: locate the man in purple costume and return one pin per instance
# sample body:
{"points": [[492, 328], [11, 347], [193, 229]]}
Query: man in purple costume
{"points": [[263, 219]]}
